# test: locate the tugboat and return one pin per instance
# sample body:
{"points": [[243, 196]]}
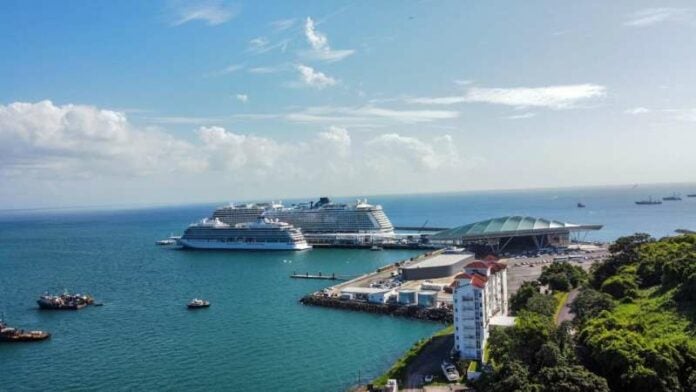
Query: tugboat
{"points": [[650, 201], [10, 334], [198, 304], [674, 197], [65, 301]]}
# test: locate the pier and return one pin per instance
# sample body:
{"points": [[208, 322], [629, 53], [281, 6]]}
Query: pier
{"points": [[320, 276]]}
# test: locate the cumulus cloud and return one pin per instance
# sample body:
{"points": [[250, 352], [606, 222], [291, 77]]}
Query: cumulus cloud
{"points": [[320, 45], [553, 97], [211, 13], [84, 141], [242, 98], [44, 140], [652, 16], [411, 152], [310, 77]]}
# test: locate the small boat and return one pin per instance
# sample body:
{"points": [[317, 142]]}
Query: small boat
{"points": [[10, 334], [198, 303], [450, 371], [674, 197], [650, 201], [580, 205], [168, 241], [691, 195], [376, 248]]}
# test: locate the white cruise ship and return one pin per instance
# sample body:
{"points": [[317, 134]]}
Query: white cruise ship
{"points": [[263, 234], [319, 217]]}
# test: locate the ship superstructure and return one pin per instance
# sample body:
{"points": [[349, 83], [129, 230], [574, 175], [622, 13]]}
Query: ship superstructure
{"points": [[318, 217], [263, 233]]}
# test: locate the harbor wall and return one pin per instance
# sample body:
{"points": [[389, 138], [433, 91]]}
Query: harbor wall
{"points": [[433, 314]]}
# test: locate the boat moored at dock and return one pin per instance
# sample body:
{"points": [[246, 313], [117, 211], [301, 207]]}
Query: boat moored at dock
{"points": [[264, 234], [322, 216]]}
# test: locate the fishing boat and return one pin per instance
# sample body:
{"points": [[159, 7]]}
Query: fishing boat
{"points": [[10, 334], [65, 301], [197, 303]]}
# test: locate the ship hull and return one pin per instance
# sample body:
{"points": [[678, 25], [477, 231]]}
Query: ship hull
{"points": [[217, 245]]}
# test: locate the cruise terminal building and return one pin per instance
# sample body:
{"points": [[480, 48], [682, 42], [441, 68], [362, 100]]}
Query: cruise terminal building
{"points": [[513, 232]]}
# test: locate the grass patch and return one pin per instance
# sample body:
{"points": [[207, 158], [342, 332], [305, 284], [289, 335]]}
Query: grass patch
{"points": [[398, 369], [473, 366], [561, 297]]}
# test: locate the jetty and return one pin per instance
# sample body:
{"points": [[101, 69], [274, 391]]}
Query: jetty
{"points": [[320, 276]]}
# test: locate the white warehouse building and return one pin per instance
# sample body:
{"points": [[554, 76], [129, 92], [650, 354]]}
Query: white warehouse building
{"points": [[480, 294]]}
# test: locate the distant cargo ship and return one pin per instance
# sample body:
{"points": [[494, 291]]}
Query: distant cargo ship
{"points": [[674, 197], [322, 216], [264, 234], [650, 201]]}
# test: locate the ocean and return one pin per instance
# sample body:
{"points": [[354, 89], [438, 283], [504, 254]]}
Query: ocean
{"points": [[255, 336]]}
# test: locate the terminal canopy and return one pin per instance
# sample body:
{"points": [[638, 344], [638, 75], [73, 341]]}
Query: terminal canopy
{"points": [[541, 232]]}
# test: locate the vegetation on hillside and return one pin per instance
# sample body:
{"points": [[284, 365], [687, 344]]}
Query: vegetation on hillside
{"points": [[633, 328], [534, 355]]}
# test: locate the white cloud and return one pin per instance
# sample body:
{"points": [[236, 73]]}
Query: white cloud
{"points": [[521, 116], [652, 16], [368, 115], [264, 70], [260, 45], [283, 24], [242, 98], [69, 151], [227, 70], [313, 78], [638, 110], [320, 45], [411, 153], [84, 141], [210, 12], [463, 82], [554, 97]]}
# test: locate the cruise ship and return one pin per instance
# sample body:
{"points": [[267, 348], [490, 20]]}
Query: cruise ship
{"points": [[321, 217], [263, 234]]}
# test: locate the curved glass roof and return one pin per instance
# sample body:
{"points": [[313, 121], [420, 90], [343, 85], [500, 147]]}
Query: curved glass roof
{"points": [[510, 226]]}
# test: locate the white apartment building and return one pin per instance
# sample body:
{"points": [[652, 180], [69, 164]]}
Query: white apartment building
{"points": [[479, 294]]}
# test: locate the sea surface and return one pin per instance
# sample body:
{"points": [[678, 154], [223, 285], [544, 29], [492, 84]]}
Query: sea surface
{"points": [[255, 336]]}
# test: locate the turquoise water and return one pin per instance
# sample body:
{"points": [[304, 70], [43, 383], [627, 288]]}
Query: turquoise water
{"points": [[256, 336]]}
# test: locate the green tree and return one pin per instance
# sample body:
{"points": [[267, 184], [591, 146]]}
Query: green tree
{"points": [[563, 276], [590, 303], [542, 304], [570, 379], [518, 301]]}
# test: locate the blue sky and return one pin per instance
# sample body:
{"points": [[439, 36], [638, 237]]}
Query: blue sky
{"points": [[183, 101]]}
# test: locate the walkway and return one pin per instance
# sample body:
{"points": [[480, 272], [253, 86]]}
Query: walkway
{"points": [[566, 314]]}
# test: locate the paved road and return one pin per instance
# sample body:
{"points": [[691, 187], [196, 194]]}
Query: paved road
{"points": [[429, 360], [565, 313]]}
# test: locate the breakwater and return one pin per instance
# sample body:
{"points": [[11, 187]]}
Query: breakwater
{"points": [[443, 315]]}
